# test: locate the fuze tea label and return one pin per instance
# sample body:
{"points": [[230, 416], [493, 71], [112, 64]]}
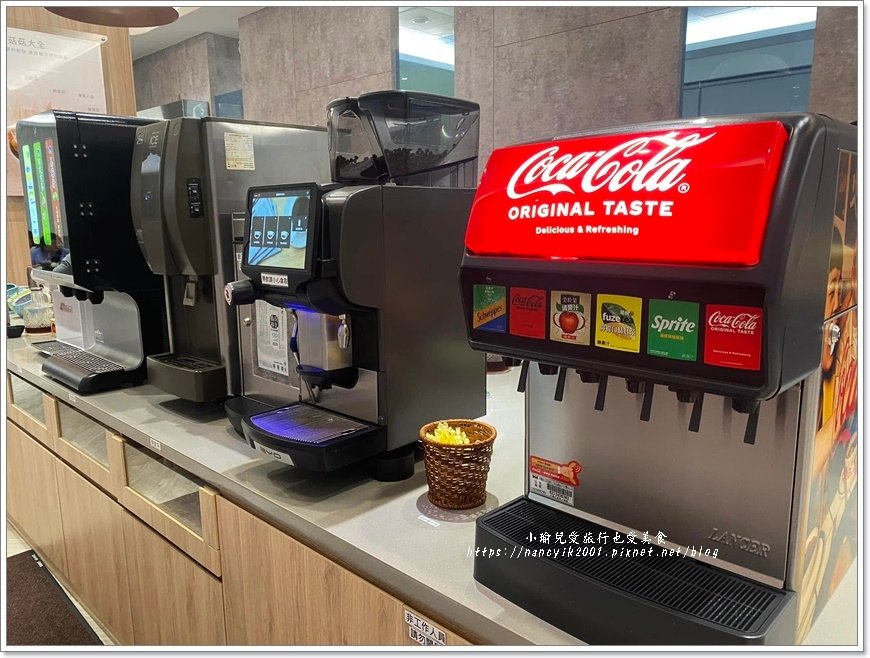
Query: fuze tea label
{"points": [[528, 314], [569, 317], [673, 330], [490, 308], [618, 326], [732, 337]]}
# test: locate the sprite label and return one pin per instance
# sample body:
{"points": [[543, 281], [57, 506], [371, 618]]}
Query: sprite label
{"points": [[673, 330]]}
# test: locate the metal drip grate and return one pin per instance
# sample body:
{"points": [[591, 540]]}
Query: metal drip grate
{"points": [[305, 423], [678, 583]]}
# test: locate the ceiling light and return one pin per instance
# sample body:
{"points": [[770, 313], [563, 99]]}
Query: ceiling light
{"points": [[420, 20]]}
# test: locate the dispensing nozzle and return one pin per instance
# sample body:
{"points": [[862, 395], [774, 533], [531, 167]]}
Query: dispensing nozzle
{"points": [[524, 376], [602, 392], [343, 332], [751, 407], [560, 384], [647, 388]]}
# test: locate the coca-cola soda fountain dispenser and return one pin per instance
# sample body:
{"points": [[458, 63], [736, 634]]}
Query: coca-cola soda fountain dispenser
{"points": [[682, 296]]}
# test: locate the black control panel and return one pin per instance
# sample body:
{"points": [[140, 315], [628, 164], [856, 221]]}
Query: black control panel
{"points": [[194, 197]]}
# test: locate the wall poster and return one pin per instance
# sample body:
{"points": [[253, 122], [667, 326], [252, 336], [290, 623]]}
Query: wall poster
{"points": [[49, 71]]}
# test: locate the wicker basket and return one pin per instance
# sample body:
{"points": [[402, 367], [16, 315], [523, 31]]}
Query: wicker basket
{"points": [[456, 474]]}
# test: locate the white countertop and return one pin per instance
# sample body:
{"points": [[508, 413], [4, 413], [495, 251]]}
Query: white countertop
{"points": [[388, 533]]}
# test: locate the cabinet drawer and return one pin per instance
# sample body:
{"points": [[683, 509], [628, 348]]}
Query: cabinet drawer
{"points": [[82, 442], [32, 499], [174, 600], [29, 407], [173, 502]]}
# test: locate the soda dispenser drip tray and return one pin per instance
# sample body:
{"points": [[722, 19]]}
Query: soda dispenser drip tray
{"points": [[312, 437], [648, 596]]}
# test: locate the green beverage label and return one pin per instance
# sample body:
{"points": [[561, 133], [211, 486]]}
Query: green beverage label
{"points": [[490, 308], [42, 193], [673, 329]]}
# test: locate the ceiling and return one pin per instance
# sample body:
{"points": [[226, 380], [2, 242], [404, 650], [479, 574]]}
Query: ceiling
{"points": [[193, 21], [710, 26], [436, 21]]}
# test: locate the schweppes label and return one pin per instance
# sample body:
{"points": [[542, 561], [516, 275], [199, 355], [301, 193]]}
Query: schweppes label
{"points": [[618, 323], [489, 308]]}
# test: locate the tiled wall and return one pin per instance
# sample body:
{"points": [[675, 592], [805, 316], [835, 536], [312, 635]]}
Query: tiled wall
{"points": [[297, 59], [195, 69], [224, 65], [545, 71], [180, 71], [834, 86]]}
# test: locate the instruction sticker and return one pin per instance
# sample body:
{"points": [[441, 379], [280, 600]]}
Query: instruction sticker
{"points": [[239, 150], [272, 344], [618, 325], [490, 308]]}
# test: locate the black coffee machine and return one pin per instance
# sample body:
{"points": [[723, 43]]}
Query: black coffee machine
{"points": [[109, 310], [356, 286]]}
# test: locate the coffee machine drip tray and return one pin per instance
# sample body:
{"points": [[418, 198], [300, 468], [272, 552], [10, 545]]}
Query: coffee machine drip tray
{"points": [[610, 598], [313, 438]]}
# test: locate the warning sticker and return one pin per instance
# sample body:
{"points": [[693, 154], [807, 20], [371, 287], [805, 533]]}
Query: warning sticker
{"points": [[239, 151], [565, 473], [423, 632]]}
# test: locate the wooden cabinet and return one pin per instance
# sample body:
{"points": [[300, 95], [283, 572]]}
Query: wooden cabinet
{"points": [[173, 502], [32, 499], [96, 558], [29, 407], [174, 601], [180, 565], [82, 442], [279, 591]]}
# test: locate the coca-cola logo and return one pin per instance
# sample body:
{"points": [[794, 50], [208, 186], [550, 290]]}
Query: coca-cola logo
{"points": [[531, 302], [648, 163], [738, 322]]}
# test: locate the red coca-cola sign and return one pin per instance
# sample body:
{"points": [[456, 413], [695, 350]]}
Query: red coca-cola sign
{"points": [[691, 195], [732, 337], [528, 312]]}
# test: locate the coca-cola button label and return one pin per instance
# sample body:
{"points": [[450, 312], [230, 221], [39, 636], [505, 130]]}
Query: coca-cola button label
{"points": [[618, 323], [528, 312], [732, 337]]}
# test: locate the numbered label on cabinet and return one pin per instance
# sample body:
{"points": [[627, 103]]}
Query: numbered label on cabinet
{"points": [[155, 444]]}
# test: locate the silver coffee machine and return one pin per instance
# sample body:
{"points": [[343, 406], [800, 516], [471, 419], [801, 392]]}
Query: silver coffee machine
{"points": [[682, 296], [353, 286], [189, 178]]}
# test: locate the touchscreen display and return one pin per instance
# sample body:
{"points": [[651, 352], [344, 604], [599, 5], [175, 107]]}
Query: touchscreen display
{"points": [[279, 228]]}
